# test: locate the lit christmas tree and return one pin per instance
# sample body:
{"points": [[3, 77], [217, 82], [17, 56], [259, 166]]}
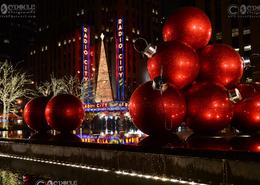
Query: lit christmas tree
{"points": [[103, 90]]}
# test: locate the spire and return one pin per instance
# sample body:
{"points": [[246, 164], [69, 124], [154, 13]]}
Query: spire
{"points": [[104, 90]]}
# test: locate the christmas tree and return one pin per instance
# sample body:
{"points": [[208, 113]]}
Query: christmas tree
{"points": [[103, 90]]}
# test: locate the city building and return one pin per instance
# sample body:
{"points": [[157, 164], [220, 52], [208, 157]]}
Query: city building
{"points": [[94, 40], [59, 47]]}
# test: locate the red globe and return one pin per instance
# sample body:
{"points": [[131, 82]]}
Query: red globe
{"points": [[34, 114], [247, 114], [209, 109], [64, 112], [155, 113], [189, 25], [179, 63], [221, 64]]}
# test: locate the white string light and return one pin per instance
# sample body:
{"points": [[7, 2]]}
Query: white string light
{"points": [[118, 172]]}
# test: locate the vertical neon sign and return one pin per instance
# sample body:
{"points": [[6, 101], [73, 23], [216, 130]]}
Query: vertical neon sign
{"points": [[120, 59], [86, 58]]}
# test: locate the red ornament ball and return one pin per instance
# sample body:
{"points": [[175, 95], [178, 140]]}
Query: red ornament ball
{"points": [[155, 113], [221, 64], [247, 114], [209, 109], [179, 64], [189, 25], [64, 112], [34, 115]]}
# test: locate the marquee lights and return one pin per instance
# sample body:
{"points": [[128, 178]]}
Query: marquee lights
{"points": [[120, 65], [106, 106]]}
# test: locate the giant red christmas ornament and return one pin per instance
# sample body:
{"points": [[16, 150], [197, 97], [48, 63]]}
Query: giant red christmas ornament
{"points": [[189, 25], [34, 114], [177, 62], [156, 113], [64, 112], [220, 63], [247, 114], [209, 109]]}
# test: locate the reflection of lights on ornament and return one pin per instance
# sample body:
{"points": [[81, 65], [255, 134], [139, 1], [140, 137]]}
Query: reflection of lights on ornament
{"points": [[258, 148], [78, 72]]}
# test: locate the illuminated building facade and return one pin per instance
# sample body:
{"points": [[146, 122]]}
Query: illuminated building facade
{"points": [[69, 43], [59, 46]]}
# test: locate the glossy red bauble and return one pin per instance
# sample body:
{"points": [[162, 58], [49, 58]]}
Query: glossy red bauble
{"points": [[179, 64], [155, 113], [34, 115], [189, 25], [247, 114], [246, 90], [209, 109], [221, 64], [64, 112]]}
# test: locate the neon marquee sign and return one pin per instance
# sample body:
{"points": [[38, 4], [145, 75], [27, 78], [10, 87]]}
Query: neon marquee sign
{"points": [[120, 63], [86, 55]]}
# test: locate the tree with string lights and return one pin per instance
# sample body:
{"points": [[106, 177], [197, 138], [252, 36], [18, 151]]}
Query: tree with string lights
{"points": [[14, 84]]}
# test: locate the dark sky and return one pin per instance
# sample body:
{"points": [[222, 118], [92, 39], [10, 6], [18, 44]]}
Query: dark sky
{"points": [[168, 6]]}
